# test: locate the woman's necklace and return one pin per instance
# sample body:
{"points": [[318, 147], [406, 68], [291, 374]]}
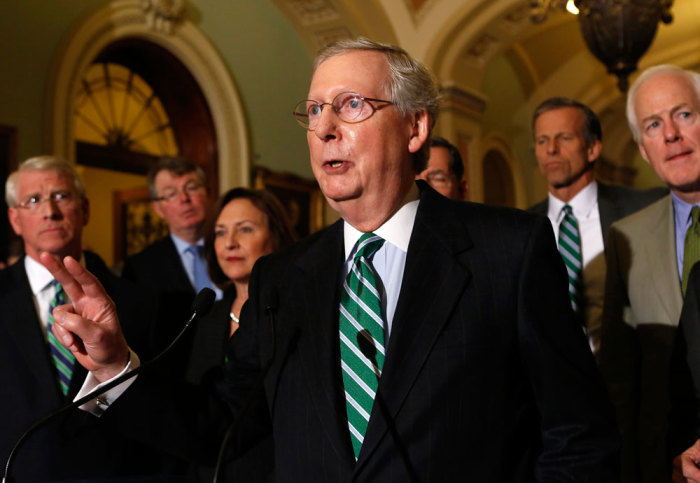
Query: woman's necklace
{"points": [[233, 317]]}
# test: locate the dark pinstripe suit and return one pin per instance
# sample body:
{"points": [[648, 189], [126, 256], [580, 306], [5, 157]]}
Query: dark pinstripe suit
{"points": [[487, 377]]}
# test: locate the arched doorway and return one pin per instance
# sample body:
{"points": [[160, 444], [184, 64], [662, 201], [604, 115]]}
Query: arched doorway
{"points": [[105, 35], [498, 180]]}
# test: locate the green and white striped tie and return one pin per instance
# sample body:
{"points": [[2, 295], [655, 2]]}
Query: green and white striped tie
{"points": [[63, 358], [361, 338], [570, 250]]}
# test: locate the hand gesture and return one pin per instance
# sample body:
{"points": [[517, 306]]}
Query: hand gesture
{"points": [[89, 326], [685, 466]]}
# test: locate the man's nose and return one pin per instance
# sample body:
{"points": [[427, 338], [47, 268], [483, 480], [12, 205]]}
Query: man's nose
{"points": [[671, 131], [49, 209], [326, 127]]}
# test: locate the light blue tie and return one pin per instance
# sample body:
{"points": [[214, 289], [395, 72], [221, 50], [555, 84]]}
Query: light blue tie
{"points": [[199, 268]]}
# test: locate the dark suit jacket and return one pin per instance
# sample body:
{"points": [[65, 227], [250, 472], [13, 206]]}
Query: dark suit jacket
{"points": [[487, 376], [159, 268], [211, 345], [74, 445], [685, 372], [614, 202]]}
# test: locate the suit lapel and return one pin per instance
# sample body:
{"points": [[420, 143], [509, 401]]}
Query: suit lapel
{"points": [[660, 250], [607, 209], [318, 345], [24, 328], [435, 277]]}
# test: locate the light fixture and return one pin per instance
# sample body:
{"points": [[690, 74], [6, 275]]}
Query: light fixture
{"points": [[617, 32]]}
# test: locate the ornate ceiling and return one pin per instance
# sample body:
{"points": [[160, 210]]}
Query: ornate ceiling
{"points": [[489, 50]]}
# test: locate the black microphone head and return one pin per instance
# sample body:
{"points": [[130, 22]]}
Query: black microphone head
{"points": [[271, 300], [203, 301], [366, 343]]}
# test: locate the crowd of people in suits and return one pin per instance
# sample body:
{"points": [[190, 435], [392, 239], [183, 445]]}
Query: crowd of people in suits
{"points": [[419, 338]]}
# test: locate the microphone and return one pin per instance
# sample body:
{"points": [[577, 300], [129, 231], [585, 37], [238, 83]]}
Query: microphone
{"points": [[271, 303], [200, 306], [365, 342]]}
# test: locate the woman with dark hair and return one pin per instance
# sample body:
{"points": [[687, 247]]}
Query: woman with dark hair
{"points": [[244, 225]]}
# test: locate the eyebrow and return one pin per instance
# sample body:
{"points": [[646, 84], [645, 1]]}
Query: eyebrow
{"points": [[673, 110]]}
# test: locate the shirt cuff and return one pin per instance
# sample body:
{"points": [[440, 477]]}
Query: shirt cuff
{"points": [[101, 403]]}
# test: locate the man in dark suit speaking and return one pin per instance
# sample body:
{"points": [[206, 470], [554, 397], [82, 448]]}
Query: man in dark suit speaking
{"points": [[417, 339]]}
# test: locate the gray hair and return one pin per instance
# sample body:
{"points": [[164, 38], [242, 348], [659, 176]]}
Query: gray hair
{"points": [[43, 163], [651, 72], [413, 87], [176, 165]]}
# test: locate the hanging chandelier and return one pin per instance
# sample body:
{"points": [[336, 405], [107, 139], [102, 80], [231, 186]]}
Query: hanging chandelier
{"points": [[617, 32]]}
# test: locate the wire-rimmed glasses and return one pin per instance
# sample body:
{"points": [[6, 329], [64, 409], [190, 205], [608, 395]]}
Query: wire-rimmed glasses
{"points": [[58, 198], [349, 106], [191, 189]]}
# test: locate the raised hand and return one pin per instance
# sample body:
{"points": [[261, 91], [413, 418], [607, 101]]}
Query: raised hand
{"points": [[685, 466], [89, 326]]}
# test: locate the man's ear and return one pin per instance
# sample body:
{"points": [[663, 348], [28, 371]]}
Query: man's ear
{"points": [[593, 151], [86, 211], [419, 131], [13, 216], [156, 207]]}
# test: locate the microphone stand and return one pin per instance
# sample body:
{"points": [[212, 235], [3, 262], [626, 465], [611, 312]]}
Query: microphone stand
{"points": [[201, 305]]}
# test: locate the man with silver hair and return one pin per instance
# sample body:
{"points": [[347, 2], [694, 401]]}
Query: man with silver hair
{"points": [[417, 339], [649, 255], [48, 210]]}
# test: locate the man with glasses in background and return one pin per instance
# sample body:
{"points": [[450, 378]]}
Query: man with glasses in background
{"points": [[48, 210], [174, 266], [444, 169]]}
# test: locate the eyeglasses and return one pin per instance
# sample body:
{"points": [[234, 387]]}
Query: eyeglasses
{"points": [[59, 198], [349, 106], [190, 189]]}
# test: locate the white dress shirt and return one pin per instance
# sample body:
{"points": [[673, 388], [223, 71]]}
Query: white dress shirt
{"points": [[389, 261], [42, 291]]}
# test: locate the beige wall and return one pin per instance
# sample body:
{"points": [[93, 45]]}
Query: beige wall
{"points": [[264, 56]]}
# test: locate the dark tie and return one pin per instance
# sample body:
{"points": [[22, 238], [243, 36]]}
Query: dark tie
{"points": [[691, 249], [361, 338], [62, 357], [570, 250], [199, 268]]}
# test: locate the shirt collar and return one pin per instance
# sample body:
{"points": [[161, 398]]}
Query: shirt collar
{"points": [[396, 230], [39, 277], [583, 203], [181, 245], [681, 209]]}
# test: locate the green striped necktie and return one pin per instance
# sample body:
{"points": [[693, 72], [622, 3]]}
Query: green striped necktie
{"points": [[570, 250], [63, 358], [361, 338]]}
